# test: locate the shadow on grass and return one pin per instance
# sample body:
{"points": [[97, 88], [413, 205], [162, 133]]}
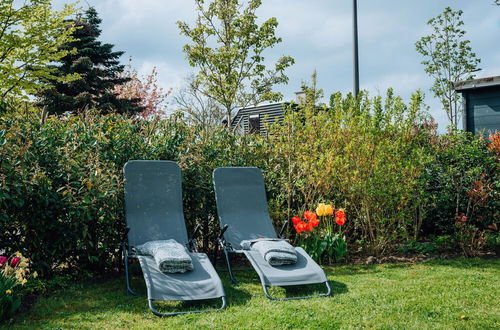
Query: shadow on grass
{"points": [[338, 288]]}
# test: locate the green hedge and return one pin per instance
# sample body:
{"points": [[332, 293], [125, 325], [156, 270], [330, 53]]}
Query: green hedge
{"points": [[61, 192], [61, 182]]}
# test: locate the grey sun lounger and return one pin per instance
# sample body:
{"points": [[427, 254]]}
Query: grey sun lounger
{"points": [[243, 213], [153, 205]]}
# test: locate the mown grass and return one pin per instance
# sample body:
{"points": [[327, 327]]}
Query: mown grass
{"points": [[459, 293]]}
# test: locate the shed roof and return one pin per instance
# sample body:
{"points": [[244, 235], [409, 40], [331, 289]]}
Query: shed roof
{"points": [[462, 86]]}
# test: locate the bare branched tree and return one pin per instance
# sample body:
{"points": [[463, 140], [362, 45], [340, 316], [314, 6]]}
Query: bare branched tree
{"points": [[197, 108]]}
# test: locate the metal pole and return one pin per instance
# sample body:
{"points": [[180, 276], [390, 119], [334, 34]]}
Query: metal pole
{"points": [[355, 46]]}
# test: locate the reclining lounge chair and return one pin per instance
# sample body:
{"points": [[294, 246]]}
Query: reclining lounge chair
{"points": [[153, 205], [243, 214]]}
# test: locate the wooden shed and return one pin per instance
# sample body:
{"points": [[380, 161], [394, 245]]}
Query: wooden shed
{"points": [[254, 119], [481, 104]]}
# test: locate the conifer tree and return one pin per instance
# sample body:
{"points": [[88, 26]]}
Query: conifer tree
{"points": [[99, 71]]}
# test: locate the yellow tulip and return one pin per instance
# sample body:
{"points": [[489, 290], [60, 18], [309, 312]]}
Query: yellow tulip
{"points": [[320, 210], [8, 292], [329, 209], [324, 209]]}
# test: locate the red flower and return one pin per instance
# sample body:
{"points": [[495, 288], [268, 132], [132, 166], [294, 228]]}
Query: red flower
{"points": [[300, 227], [295, 220], [309, 227], [340, 213], [15, 261], [314, 223], [3, 260], [340, 221], [309, 215]]}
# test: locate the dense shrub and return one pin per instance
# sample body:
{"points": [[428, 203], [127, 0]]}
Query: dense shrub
{"points": [[362, 154], [61, 186], [61, 181], [462, 185]]}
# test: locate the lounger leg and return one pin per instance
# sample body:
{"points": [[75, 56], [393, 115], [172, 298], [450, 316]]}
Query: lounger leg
{"points": [[230, 270], [155, 312], [328, 293], [127, 277]]}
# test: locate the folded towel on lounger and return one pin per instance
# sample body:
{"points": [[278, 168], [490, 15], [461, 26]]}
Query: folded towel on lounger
{"points": [[276, 252], [170, 256]]}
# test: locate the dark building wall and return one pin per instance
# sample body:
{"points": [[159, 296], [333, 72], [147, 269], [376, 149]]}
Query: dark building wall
{"points": [[267, 114], [482, 110]]}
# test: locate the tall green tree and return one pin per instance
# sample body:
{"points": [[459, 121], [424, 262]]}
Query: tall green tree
{"points": [[31, 36], [99, 71], [448, 58], [227, 46]]}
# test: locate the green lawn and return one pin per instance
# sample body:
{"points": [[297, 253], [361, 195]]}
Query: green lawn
{"points": [[460, 293]]}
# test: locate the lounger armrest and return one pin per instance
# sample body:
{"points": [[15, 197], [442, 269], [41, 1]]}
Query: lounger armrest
{"points": [[220, 238], [283, 228], [222, 231], [192, 240], [196, 231]]}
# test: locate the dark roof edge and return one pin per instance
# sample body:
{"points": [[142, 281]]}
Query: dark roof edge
{"points": [[264, 105], [460, 86]]}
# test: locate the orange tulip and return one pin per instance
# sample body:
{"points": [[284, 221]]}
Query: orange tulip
{"points": [[295, 220]]}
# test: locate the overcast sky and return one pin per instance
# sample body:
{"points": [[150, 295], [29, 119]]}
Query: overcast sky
{"points": [[317, 33]]}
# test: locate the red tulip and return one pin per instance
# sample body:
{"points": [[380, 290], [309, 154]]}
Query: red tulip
{"points": [[309, 227], [314, 223], [309, 215], [15, 261], [340, 221], [300, 227], [295, 220], [3, 260], [340, 213]]}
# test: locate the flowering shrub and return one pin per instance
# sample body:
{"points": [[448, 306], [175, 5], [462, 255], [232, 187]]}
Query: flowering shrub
{"points": [[494, 145], [14, 272], [365, 154], [325, 242]]}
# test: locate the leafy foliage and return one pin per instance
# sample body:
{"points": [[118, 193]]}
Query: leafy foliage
{"points": [[462, 187], [355, 153], [448, 59], [227, 46], [31, 38], [61, 182]]}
